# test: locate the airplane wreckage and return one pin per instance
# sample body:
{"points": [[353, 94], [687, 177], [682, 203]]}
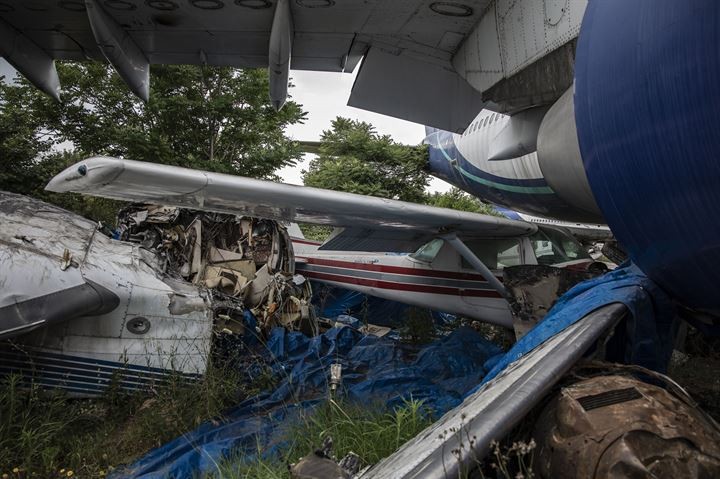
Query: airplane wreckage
{"points": [[195, 262], [148, 297], [87, 306]]}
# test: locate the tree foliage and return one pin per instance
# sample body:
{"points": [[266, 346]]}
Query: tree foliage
{"points": [[355, 158], [457, 199], [209, 118], [22, 138]]}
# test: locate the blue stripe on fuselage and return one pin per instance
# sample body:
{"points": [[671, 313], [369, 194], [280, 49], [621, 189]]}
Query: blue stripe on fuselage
{"points": [[532, 195]]}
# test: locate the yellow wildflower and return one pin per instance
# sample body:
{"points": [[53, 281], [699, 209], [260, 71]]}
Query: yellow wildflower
{"points": [[15, 470], [69, 474]]}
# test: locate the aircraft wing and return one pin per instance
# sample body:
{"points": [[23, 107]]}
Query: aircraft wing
{"points": [[372, 224], [408, 45]]}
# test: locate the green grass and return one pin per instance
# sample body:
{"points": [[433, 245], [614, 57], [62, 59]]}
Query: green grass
{"points": [[370, 432], [43, 433]]}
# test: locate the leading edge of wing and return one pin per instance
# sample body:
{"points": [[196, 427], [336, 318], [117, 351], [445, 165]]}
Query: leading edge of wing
{"points": [[175, 186]]}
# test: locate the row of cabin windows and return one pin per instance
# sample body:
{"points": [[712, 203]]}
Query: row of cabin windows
{"points": [[488, 120], [550, 247]]}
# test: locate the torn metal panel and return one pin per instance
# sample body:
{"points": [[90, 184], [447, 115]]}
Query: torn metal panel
{"points": [[533, 290], [245, 263], [49, 253]]}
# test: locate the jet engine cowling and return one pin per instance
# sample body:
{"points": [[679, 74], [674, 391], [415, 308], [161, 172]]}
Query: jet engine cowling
{"points": [[559, 157]]}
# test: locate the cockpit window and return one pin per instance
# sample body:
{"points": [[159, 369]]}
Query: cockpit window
{"points": [[494, 253], [428, 251], [554, 246]]}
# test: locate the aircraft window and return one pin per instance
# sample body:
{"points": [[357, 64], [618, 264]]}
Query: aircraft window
{"points": [[486, 121], [495, 254], [428, 251], [553, 246]]}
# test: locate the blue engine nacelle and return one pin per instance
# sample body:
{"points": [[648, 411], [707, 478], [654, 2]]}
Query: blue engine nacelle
{"points": [[647, 103]]}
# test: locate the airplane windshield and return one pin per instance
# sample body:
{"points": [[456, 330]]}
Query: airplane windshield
{"points": [[554, 246], [428, 251]]}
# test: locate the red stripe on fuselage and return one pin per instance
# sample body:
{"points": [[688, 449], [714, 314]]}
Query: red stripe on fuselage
{"points": [[393, 269], [304, 241], [416, 288]]}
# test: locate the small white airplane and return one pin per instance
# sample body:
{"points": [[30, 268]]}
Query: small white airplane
{"points": [[437, 276]]}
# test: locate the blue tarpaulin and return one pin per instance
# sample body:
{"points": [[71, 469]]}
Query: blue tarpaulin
{"points": [[647, 339], [387, 371], [333, 302], [375, 370]]}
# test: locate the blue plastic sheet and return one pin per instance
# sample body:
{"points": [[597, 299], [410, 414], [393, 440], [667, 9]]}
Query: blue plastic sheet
{"points": [[381, 370], [375, 371], [647, 339], [334, 302]]}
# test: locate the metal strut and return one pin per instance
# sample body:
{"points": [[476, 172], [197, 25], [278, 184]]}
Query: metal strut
{"points": [[475, 262]]}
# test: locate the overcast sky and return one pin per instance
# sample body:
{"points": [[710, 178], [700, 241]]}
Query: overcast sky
{"points": [[324, 96]]}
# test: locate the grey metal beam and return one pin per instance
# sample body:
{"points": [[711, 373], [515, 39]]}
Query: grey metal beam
{"points": [[280, 53], [120, 50], [29, 59], [462, 437]]}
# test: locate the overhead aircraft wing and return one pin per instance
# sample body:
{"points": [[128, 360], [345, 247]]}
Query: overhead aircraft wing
{"points": [[408, 45], [381, 224]]}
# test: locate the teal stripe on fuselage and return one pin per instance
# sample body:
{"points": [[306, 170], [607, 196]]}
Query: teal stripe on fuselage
{"points": [[533, 190]]}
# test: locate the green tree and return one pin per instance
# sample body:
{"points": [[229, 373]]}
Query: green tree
{"points": [[457, 199], [353, 157], [23, 138], [210, 118]]}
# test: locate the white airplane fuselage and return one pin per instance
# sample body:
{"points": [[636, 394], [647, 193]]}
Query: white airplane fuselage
{"points": [[437, 277]]}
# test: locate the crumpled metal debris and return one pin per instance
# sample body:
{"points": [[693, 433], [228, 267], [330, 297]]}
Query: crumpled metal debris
{"points": [[618, 427], [614, 252], [321, 464], [533, 289], [245, 263]]}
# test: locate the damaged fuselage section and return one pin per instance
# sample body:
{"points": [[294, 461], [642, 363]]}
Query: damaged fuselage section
{"points": [[79, 308], [244, 263]]}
